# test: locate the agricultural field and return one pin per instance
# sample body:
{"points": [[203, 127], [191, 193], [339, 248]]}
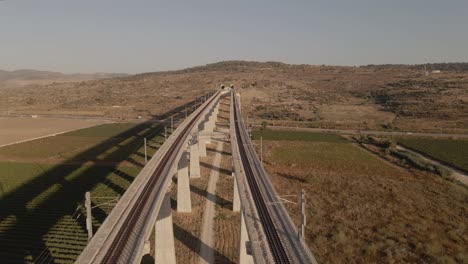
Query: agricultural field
{"points": [[15, 129], [450, 151], [295, 136], [99, 144], [362, 209], [43, 182]]}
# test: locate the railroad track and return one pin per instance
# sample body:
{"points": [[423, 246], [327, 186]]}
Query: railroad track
{"points": [[275, 244], [122, 238], [274, 236], [116, 249]]}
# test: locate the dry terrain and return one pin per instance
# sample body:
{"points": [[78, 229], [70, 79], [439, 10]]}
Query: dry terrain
{"points": [[146, 95], [15, 129], [362, 209], [21, 78], [382, 98], [225, 230], [359, 98], [226, 222]]}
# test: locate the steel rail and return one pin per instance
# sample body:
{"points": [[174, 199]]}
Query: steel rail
{"points": [[274, 241], [285, 244], [119, 242], [113, 245]]}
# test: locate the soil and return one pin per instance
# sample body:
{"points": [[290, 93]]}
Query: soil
{"points": [[17, 129], [282, 94], [226, 222], [206, 238]]}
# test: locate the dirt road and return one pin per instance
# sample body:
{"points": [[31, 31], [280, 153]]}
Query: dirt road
{"points": [[455, 173], [207, 242]]}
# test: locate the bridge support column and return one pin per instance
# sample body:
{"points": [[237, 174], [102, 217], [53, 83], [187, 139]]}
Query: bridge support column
{"points": [[194, 158], [206, 126], [147, 248], [211, 124], [164, 234], [216, 112], [184, 202], [244, 257], [207, 138], [207, 129], [207, 119], [201, 147], [236, 198]]}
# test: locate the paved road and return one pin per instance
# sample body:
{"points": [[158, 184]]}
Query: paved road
{"points": [[369, 132]]}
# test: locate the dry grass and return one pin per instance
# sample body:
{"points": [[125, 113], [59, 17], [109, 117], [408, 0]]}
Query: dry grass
{"points": [[124, 98], [187, 226], [298, 95], [362, 210], [21, 78], [227, 223]]}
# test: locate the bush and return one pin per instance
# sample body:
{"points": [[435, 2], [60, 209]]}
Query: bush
{"points": [[388, 126], [416, 161]]}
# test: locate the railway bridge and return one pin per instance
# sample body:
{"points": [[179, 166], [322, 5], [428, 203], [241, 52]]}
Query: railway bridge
{"points": [[141, 222]]}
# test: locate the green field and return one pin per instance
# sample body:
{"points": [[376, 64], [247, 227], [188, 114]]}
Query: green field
{"points": [[106, 130], [103, 143], [340, 158], [453, 152], [43, 182], [296, 136], [328, 155]]}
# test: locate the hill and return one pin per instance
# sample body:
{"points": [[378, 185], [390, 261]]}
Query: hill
{"points": [[21, 78], [400, 98], [450, 66]]}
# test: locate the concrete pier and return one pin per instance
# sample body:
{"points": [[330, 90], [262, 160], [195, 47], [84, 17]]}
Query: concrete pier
{"points": [[244, 258], [201, 146], [210, 125], [184, 201], [236, 199], [216, 112], [194, 158], [164, 234], [207, 138]]}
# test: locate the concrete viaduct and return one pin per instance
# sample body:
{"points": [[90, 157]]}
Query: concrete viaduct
{"points": [[141, 222]]}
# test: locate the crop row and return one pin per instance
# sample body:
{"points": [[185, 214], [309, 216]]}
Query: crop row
{"points": [[41, 218]]}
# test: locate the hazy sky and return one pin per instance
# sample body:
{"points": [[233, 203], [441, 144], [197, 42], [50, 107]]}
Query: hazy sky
{"points": [[139, 36]]}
